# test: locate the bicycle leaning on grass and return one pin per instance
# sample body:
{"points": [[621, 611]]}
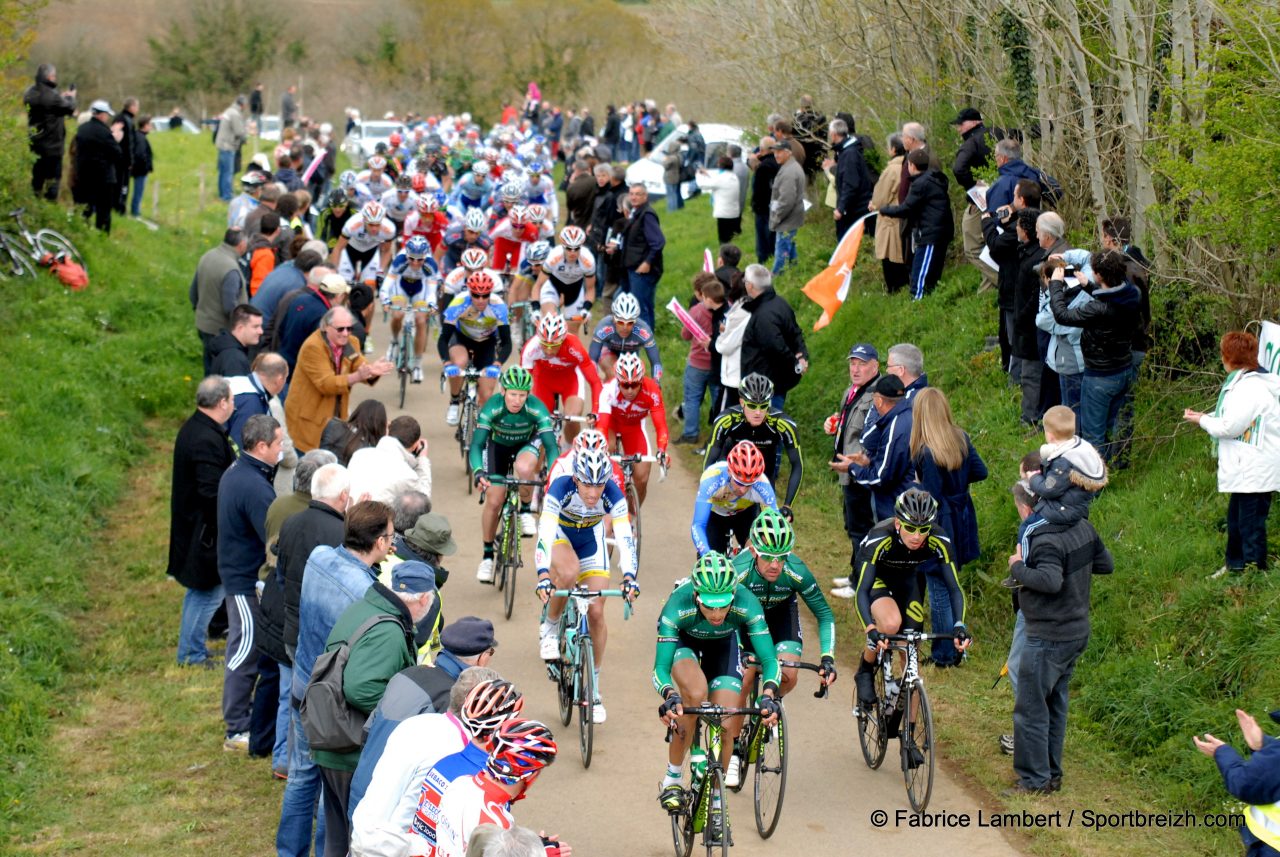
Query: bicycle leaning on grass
{"points": [[22, 251]]}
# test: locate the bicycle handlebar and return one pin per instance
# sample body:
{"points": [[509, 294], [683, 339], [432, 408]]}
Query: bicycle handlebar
{"points": [[579, 592], [645, 459], [820, 693], [916, 637]]}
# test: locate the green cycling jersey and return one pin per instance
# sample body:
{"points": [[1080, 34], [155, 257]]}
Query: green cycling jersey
{"points": [[795, 579], [498, 424], [681, 615]]}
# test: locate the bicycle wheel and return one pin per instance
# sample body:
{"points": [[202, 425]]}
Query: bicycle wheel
{"points": [[682, 826], [568, 664], [717, 805], [586, 698], [771, 775], [633, 506], [51, 241], [511, 560], [14, 260], [918, 733], [872, 734]]}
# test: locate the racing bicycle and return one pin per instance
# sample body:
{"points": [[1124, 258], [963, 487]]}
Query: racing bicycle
{"points": [[507, 554], [470, 411], [628, 464], [22, 251], [403, 346], [703, 807]]}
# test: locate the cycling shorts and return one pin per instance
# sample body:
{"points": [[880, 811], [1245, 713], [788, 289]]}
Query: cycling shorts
{"points": [[499, 459], [359, 264], [720, 526], [636, 439], [909, 599], [720, 660], [588, 545], [547, 386], [784, 627], [483, 353], [568, 309]]}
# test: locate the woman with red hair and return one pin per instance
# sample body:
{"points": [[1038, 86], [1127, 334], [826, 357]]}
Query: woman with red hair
{"points": [[1246, 428]]}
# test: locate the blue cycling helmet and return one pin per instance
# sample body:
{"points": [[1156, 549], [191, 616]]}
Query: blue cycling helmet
{"points": [[537, 167], [417, 247], [348, 179], [538, 252], [592, 467]]}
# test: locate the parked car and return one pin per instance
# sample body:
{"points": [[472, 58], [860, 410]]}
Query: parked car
{"points": [[648, 170], [364, 138]]}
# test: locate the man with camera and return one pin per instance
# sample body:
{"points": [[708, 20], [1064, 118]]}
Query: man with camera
{"points": [[47, 110]]}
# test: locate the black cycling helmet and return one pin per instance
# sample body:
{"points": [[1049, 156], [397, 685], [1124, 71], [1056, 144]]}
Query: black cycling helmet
{"points": [[337, 198], [916, 507], [755, 388]]}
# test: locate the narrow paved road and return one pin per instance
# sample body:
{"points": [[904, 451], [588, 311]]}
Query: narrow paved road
{"points": [[611, 809]]}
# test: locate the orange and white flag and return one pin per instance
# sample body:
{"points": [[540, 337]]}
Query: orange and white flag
{"points": [[829, 288]]}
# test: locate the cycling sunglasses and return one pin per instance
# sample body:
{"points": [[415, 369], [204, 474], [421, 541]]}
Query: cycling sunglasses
{"points": [[479, 297], [774, 557], [915, 529], [755, 406], [631, 386]]}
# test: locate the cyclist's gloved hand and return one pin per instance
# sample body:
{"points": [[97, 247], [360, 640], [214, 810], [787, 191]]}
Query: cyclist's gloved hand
{"points": [[452, 371], [770, 708], [544, 588], [586, 306], [960, 634], [828, 669], [630, 589], [786, 512], [874, 637], [657, 373], [480, 477], [492, 371], [671, 708]]}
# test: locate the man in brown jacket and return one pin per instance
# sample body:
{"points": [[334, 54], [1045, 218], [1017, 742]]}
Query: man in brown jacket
{"points": [[329, 365]]}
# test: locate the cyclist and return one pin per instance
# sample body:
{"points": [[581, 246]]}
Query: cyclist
{"points": [[511, 235], [474, 326], [531, 264], [472, 231], [538, 216], [410, 283], [473, 259], [399, 202], [586, 439], [730, 493], [624, 333], [422, 180], [509, 429], [561, 370], [770, 430], [506, 197], [473, 189], [568, 280], [428, 221], [571, 551], [776, 576], [375, 177], [365, 235], [697, 660], [356, 192], [334, 216], [891, 566], [434, 165], [541, 190], [624, 403]]}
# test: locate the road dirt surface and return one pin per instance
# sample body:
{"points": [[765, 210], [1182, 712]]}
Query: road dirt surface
{"points": [[612, 808]]}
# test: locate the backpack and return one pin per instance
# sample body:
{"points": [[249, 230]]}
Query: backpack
{"points": [[329, 722]]}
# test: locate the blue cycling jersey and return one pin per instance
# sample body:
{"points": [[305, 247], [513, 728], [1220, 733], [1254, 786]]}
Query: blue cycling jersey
{"points": [[716, 494]]}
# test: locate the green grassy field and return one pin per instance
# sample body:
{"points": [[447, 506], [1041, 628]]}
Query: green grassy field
{"points": [[101, 379]]}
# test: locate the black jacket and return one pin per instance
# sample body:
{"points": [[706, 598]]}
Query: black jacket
{"points": [[1004, 251], [588, 128], [638, 240], [201, 453], [772, 340], [1023, 336], [974, 153], [612, 130], [1109, 321], [318, 524], [762, 183], [46, 117], [1056, 578], [227, 356], [128, 144], [604, 211], [97, 158], [143, 164], [853, 180], [927, 210]]}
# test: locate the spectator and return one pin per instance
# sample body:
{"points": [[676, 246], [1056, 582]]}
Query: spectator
{"points": [[946, 464], [201, 454], [244, 495], [772, 343], [1063, 357], [906, 361], [744, 180], [1000, 233], [1024, 501], [974, 154], [727, 261], [853, 181], [253, 393], [287, 277], [1024, 341], [765, 166], [228, 139], [1055, 578], [97, 165], [846, 427], [255, 106], [729, 344], [1012, 169], [268, 200], [1106, 344], [333, 580], [47, 112], [1256, 782], [1117, 235], [375, 656], [367, 426], [328, 366], [127, 120], [143, 164], [263, 253], [289, 107], [725, 207], [697, 370], [580, 196], [890, 247], [927, 210], [884, 465], [230, 352], [642, 243], [217, 288], [809, 125], [397, 463], [1246, 427], [175, 119], [299, 313], [671, 169], [252, 184], [786, 205]]}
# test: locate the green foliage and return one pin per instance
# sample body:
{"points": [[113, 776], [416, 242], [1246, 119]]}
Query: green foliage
{"points": [[1013, 39], [226, 45]]}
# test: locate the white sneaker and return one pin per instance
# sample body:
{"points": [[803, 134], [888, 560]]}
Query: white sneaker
{"points": [[528, 524], [391, 353], [733, 776], [597, 712], [238, 741], [843, 591], [368, 344], [417, 374], [841, 581], [454, 413], [548, 642], [484, 572]]}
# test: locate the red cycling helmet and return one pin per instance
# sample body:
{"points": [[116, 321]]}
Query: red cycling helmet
{"points": [[419, 183], [746, 464], [521, 749], [480, 283]]}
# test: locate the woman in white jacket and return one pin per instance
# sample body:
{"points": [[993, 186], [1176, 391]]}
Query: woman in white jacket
{"points": [[725, 205], [729, 344], [1246, 428]]}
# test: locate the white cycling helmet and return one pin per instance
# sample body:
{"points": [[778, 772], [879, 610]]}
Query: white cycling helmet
{"points": [[348, 179], [626, 307], [572, 237], [552, 329], [377, 162], [427, 204], [480, 168], [519, 215], [510, 193], [538, 252], [473, 258], [372, 212], [537, 213], [591, 439], [629, 368], [476, 221]]}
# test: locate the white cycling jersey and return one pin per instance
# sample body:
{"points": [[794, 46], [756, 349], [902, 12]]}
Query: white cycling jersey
{"points": [[398, 209], [361, 238], [558, 266], [455, 281]]}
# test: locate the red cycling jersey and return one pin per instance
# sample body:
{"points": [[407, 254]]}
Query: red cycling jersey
{"points": [[431, 227], [509, 240], [626, 416], [561, 373]]}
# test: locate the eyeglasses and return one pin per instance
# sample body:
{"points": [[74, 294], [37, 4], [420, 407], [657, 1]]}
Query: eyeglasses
{"points": [[388, 536], [755, 406], [914, 529], [475, 296], [346, 329]]}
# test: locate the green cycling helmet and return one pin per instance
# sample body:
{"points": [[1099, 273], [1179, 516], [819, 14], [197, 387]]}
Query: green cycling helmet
{"points": [[772, 534], [517, 378], [714, 580]]}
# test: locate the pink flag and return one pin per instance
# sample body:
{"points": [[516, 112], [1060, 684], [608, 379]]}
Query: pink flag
{"points": [[708, 264], [311, 168], [695, 330]]}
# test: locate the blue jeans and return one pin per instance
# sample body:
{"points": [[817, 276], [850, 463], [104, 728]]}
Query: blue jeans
{"points": [[778, 401], [198, 607], [943, 651], [1247, 530], [784, 249], [696, 382], [139, 185], [645, 288], [1069, 389], [1040, 708], [1016, 645], [301, 794], [675, 201], [1101, 397], [764, 238], [280, 752], [226, 166]]}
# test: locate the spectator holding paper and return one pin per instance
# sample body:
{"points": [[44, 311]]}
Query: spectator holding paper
{"points": [[697, 370]]}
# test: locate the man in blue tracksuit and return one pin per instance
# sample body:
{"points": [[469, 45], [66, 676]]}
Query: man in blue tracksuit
{"points": [[244, 494], [885, 465]]}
